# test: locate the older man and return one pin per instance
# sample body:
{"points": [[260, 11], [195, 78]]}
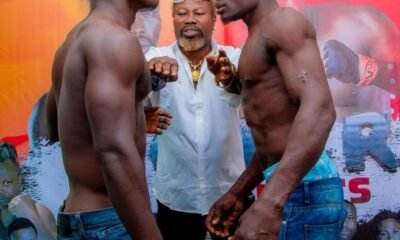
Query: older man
{"points": [[200, 155]]}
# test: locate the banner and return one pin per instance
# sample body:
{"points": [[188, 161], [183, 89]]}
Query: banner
{"points": [[359, 42]]}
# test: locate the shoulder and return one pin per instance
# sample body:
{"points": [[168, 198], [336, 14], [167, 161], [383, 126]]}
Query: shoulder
{"points": [[288, 28]]}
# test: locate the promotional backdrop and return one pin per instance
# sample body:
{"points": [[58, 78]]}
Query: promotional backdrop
{"points": [[359, 42]]}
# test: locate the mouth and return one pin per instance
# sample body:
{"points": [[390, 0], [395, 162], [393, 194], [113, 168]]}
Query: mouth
{"points": [[190, 32]]}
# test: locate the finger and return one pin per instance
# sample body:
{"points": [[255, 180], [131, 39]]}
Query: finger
{"points": [[221, 53], [158, 66], [165, 114], [164, 121], [211, 61], [151, 64], [163, 126], [166, 70], [224, 61], [174, 72]]}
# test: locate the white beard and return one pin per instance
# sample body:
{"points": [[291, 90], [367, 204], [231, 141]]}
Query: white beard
{"points": [[190, 45]]}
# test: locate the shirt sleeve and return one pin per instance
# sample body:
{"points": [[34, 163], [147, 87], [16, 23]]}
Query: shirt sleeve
{"points": [[234, 100]]}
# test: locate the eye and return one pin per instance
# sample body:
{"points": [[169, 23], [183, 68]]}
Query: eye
{"points": [[181, 13], [7, 182], [200, 13]]}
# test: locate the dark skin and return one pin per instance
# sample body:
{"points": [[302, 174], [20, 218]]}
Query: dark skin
{"points": [[287, 105], [101, 121]]}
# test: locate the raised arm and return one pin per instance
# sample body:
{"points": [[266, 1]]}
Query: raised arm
{"points": [[114, 66]]}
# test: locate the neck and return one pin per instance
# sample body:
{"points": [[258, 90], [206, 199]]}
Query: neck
{"points": [[121, 11], [263, 9], [195, 57]]}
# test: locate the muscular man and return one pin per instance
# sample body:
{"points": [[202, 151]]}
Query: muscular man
{"points": [[288, 106], [359, 45], [14, 204], [200, 155], [99, 82]]}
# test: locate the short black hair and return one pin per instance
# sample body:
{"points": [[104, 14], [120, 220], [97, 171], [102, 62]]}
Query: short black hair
{"points": [[7, 151], [18, 224]]}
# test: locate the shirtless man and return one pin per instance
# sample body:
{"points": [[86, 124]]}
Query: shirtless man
{"points": [[288, 106], [101, 125], [359, 45]]}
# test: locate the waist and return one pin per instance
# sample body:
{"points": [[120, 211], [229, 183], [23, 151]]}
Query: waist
{"points": [[69, 222], [325, 191], [324, 168]]}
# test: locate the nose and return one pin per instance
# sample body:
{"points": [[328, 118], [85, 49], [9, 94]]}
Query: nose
{"points": [[191, 19]]}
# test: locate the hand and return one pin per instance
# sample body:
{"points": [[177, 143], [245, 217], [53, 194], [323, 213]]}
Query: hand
{"points": [[22, 206], [165, 67], [341, 62], [156, 120], [224, 214], [262, 221], [221, 67]]}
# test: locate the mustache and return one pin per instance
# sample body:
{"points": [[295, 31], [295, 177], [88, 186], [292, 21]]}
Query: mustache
{"points": [[190, 27]]}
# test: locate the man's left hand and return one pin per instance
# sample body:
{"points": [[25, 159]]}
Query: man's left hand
{"points": [[156, 120]]}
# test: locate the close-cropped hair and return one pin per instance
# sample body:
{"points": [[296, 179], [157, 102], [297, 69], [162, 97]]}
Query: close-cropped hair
{"points": [[212, 3], [7, 151]]}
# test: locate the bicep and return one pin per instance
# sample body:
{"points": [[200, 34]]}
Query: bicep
{"points": [[110, 108], [112, 73], [302, 70]]}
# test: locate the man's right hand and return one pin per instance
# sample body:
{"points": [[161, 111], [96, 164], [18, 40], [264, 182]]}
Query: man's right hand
{"points": [[164, 66], [224, 214]]}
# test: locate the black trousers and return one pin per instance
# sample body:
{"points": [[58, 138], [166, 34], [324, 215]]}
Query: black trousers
{"points": [[175, 225]]}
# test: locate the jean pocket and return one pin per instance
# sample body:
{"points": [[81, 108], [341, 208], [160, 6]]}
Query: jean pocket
{"points": [[323, 232], [116, 232]]}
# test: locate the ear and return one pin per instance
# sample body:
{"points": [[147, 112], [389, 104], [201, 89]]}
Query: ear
{"points": [[214, 18]]}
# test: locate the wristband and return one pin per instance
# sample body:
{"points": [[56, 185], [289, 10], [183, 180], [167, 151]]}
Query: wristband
{"points": [[368, 69]]}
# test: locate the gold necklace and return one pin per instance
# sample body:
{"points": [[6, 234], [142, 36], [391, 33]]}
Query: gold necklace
{"points": [[195, 69]]}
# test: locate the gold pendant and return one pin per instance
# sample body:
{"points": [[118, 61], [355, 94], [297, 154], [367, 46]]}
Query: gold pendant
{"points": [[195, 75]]}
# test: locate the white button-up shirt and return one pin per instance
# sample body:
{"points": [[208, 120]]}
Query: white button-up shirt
{"points": [[200, 155]]}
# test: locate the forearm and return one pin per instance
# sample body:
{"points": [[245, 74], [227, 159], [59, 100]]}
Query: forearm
{"points": [[124, 176], [311, 126], [249, 179]]}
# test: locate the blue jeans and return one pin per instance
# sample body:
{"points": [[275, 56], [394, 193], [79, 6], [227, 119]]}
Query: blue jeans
{"points": [[102, 224], [314, 211]]}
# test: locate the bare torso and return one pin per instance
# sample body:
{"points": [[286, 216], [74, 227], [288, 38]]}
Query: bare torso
{"points": [[87, 188], [267, 107]]}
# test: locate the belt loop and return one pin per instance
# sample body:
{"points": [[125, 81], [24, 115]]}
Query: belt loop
{"points": [[80, 225], [306, 193]]}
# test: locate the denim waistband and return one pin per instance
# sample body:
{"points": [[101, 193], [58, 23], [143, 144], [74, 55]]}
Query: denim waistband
{"points": [[68, 222], [325, 191]]}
